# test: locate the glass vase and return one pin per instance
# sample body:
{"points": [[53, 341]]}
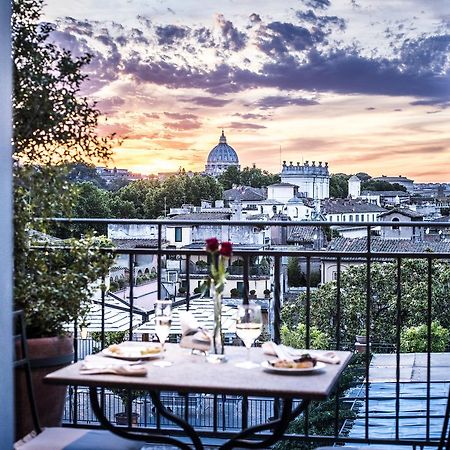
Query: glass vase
{"points": [[217, 350]]}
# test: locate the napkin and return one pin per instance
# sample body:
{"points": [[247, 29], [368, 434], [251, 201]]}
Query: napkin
{"points": [[285, 352], [93, 366], [193, 336]]}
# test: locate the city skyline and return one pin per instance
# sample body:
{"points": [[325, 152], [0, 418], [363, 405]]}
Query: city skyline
{"points": [[364, 85]]}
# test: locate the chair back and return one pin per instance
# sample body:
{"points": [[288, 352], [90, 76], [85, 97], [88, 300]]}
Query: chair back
{"points": [[22, 363]]}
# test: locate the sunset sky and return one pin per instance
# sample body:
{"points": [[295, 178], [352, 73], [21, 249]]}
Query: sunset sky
{"points": [[362, 84]]}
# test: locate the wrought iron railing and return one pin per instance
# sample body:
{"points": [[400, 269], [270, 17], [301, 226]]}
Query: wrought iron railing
{"points": [[212, 414]]}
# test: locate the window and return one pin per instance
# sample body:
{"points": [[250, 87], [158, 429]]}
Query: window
{"points": [[356, 218], [362, 217], [350, 217], [334, 275], [178, 234], [395, 227], [172, 277]]}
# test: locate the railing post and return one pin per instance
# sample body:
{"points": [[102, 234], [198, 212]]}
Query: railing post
{"points": [[277, 301]]}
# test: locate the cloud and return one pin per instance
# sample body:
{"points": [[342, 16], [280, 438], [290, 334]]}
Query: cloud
{"points": [[427, 54], [394, 151], [277, 101], [183, 125], [180, 116], [244, 126], [207, 101], [169, 34], [431, 102], [255, 18], [318, 4], [324, 23], [171, 143], [120, 129], [233, 39], [111, 103], [293, 36], [252, 116], [151, 115]]}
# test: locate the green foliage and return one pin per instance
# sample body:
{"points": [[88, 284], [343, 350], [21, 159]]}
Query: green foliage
{"points": [[111, 337], [234, 293], [252, 176], [249, 176], [54, 286], [378, 185], [339, 185], [79, 173], [53, 126], [296, 337], [383, 300], [294, 273], [415, 339], [231, 176], [52, 123]]}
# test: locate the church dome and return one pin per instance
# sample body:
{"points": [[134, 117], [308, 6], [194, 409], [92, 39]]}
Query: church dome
{"points": [[223, 152], [221, 157]]}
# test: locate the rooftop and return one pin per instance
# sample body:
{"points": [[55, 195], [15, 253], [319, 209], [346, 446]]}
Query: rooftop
{"points": [[381, 245], [339, 205], [404, 211]]}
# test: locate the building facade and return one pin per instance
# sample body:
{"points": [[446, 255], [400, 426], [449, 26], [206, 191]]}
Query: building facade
{"points": [[313, 180]]}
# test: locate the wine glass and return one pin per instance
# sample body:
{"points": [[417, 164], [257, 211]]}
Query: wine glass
{"points": [[163, 321], [248, 328]]}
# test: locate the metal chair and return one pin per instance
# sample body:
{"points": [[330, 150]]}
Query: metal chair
{"points": [[59, 438]]}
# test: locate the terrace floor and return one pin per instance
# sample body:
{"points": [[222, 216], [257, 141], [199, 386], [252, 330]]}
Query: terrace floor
{"points": [[413, 367]]}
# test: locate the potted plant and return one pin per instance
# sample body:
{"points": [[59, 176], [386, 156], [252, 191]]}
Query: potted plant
{"points": [[182, 291], [252, 294], [127, 396], [234, 293], [53, 288], [266, 293]]}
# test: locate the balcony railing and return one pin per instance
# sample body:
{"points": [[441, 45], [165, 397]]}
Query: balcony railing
{"points": [[372, 409]]}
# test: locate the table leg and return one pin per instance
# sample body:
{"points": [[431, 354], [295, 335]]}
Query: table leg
{"points": [[136, 435], [189, 430], [278, 427]]}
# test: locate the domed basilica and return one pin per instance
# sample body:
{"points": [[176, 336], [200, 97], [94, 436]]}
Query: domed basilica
{"points": [[221, 157]]}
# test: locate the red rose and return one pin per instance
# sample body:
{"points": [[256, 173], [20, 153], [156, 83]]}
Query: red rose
{"points": [[226, 248], [212, 245]]}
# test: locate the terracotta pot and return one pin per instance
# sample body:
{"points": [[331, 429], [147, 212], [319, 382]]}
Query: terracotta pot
{"points": [[122, 418], [361, 339], [46, 355]]}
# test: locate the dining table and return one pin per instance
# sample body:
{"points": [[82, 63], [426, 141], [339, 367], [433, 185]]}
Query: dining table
{"points": [[192, 373]]}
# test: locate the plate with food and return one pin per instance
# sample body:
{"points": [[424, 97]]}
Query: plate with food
{"points": [[132, 352], [304, 364]]}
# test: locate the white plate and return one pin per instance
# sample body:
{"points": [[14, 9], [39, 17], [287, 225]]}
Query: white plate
{"points": [[283, 370], [130, 354]]}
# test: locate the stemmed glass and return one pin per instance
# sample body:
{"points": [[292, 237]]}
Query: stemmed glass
{"points": [[248, 328], [163, 321]]}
